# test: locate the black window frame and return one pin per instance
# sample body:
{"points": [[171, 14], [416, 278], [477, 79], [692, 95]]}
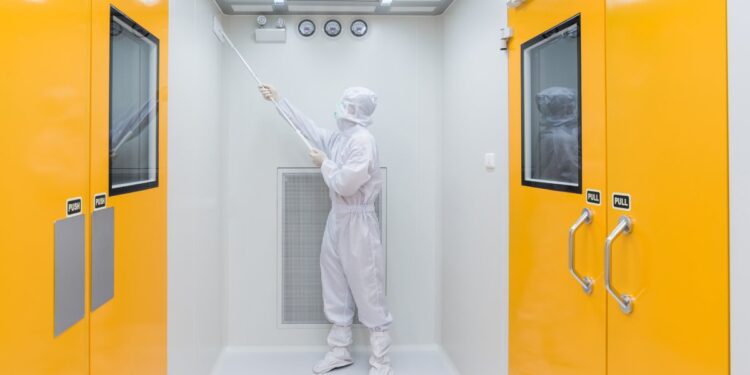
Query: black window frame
{"points": [[113, 191], [575, 20]]}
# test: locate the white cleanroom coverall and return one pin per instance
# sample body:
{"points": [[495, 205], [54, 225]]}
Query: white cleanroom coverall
{"points": [[352, 259]]}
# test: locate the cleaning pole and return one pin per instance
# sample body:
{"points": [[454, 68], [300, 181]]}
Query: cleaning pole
{"points": [[219, 31]]}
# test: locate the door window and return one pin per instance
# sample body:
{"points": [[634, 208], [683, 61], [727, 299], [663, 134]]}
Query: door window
{"points": [[133, 121], [551, 113]]}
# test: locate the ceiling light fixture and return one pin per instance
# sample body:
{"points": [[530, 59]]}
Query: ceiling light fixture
{"points": [[331, 9], [279, 2], [405, 9], [386, 3]]}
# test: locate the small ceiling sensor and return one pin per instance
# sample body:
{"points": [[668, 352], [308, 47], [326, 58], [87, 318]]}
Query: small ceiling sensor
{"points": [[306, 28], [333, 28], [262, 20], [359, 28]]}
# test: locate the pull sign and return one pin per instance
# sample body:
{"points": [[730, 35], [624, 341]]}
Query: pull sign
{"points": [[621, 201], [100, 201], [594, 197], [74, 206]]}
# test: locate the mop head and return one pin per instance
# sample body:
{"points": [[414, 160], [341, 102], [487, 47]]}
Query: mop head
{"points": [[219, 30]]}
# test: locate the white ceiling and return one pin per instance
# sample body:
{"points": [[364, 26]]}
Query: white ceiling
{"points": [[397, 7]]}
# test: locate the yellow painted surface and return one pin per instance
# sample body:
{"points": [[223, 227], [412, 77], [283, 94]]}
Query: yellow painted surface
{"points": [[44, 153], [667, 147], [554, 327], [128, 334]]}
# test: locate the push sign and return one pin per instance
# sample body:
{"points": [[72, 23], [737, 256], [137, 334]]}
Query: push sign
{"points": [[100, 201], [74, 206], [621, 201]]}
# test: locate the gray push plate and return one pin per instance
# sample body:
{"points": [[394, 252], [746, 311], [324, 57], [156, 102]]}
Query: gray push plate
{"points": [[102, 257], [70, 267]]}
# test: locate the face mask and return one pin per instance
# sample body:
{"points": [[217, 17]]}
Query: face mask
{"points": [[342, 119], [340, 112]]}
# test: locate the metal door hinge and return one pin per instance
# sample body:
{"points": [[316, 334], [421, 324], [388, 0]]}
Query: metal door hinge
{"points": [[515, 3]]}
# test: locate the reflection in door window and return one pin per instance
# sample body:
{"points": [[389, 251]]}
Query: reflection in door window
{"points": [[133, 125], [551, 109]]}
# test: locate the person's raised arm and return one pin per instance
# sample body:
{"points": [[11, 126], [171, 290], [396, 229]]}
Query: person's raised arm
{"points": [[319, 137]]}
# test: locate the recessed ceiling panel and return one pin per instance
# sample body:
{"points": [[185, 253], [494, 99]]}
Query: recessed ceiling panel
{"points": [[358, 7], [401, 9], [252, 8], [328, 9]]}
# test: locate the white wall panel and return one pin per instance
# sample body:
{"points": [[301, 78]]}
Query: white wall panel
{"points": [[196, 313], [475, 203], [739, 186]]}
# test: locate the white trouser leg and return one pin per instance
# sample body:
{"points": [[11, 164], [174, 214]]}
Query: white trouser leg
{"points": [[338, 303], [363, 261]]}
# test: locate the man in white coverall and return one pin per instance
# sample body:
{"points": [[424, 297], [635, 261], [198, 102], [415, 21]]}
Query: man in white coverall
{"points": [[352, 261]]}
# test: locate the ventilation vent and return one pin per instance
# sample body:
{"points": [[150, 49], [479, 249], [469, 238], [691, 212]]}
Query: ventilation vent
{"points": [[303, 210]]}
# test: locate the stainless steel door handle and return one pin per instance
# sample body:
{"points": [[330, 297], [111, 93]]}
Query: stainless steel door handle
{"points": [[586, 282], [625, 225]]}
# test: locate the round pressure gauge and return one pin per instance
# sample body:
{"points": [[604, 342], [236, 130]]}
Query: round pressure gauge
{"points": [[359, 28], [262, 20], [333, 28], [306, 28]]}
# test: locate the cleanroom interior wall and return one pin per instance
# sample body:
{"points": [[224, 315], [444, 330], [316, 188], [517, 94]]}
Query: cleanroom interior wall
{"points": [[401, 60], [196, 313], [475, 202], [739, 184]]}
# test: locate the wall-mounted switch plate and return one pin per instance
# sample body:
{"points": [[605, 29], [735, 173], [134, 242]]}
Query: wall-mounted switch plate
{"points": [[489, 162]]}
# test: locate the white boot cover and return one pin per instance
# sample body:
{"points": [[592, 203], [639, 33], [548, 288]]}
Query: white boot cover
{"points": [[381, 345], [339, 340]]}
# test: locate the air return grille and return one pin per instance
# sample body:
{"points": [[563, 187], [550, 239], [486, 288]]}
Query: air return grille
{"points": [[303, 210]]}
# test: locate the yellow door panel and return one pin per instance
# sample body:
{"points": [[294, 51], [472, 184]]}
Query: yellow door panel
{"points": [[128, 333], [44, 159], [667, 148], [555, 327]]}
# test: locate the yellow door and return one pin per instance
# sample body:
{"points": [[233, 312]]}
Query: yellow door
{"points": [[557, 160], [129, 123], [667, 149], [44, 159]]}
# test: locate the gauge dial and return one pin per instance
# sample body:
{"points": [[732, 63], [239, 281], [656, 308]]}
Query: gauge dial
{"points": [[333, 28], [359, 28], [306, 28]]}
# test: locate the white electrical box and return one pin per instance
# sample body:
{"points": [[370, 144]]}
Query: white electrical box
{"points": [[270, 35]]}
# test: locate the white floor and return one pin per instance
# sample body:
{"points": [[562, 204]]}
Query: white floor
{"points": [[406, 361]]}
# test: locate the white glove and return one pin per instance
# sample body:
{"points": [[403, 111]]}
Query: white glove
{"points": [[318, 157], [269, 92]]}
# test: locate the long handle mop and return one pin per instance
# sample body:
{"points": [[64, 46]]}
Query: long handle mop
{"points": [[219, 31]]}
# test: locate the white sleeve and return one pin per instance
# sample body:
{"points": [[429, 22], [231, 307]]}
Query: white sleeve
{"points": [[318, 137], [347, 179]]}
